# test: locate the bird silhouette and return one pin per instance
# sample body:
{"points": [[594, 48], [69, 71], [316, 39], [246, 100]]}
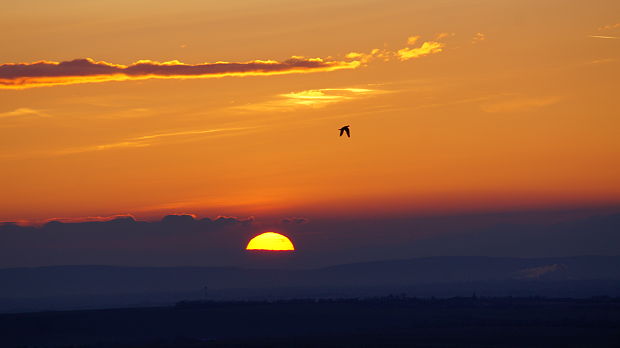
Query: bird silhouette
{"points": [[345, 129]]}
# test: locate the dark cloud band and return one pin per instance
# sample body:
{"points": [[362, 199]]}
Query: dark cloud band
{"points": [[44, 73]]}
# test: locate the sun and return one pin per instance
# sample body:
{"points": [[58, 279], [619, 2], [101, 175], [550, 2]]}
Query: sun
{"points": [[270, 241]]}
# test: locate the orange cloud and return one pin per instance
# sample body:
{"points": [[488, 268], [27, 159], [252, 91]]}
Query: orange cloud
{"points": [[427, 48], [310, 98], [87, 70], [413, 39], [90, 218], [520, 104], [44, 73], [609, 27], [479, 37], [146, 140], [22, 112], [444, 35], [325, 95], [604, 37]]}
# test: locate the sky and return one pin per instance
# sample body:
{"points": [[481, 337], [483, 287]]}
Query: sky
{"points": [[214, 108]]}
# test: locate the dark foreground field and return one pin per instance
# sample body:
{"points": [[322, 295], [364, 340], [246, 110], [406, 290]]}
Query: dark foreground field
{"points": [[379, 322]]}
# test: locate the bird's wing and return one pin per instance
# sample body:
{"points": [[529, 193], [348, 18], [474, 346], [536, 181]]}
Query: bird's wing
{"points": [[341, 131], [348, 133]]}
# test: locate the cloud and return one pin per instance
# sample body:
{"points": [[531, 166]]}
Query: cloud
{"points": [[87, 70], [604, 37], [427, 48], [186, 239], [145, 140], [538, 272], [325, 95], [44, 73], [377, 53], [406, 53], [176, 239], [231, 220], [168, 220], [191, 219], [83, 219], [134, 142], [520, 104], [609, 27], [479, 37], [23, 112], [603, 61], [310, 98], [413, 39], [295, 220], [444, 35], [193, 132]]}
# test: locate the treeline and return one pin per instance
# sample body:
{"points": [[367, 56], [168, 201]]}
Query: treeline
{"points": [[403, 299]]}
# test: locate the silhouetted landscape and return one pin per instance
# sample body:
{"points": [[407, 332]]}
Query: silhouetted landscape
{"points": [[393, 321], [293, 173], [75, 287]]}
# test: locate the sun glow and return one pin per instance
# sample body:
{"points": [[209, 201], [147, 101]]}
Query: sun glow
{"points": [[270, 241]]}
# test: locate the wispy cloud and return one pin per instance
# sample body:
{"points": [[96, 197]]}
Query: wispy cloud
{"points": [[193, 132], [427, 48], [23, 112], [406, 53], [520, 104], [413, 39], [44, 73], [602, 61], [326, 95], [88, 219], [478, 37], [444, 35], [87, 70], [604, 37], [310, 98], [145, 140], [609, 27]]}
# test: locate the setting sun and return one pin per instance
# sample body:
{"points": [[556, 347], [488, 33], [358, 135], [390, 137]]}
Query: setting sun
{"points": [[270, 241]]}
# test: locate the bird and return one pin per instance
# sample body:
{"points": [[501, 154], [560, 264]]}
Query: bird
{"points": [[345, 129]]}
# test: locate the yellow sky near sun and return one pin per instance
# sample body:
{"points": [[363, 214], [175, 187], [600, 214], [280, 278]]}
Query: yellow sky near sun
{"points": [[458, 106]]}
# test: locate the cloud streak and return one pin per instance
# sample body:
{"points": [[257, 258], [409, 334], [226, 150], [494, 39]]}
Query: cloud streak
{"points": [[427, 48], [146, 140], [604, 37], [520, 104], [87, 70], [478, 37], [22, 112], [403, 54], [45, 73], [315, 98], [324, 96], [609, 27]]}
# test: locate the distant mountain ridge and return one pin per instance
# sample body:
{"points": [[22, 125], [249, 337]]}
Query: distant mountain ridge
{"points": [[68, 280], [65, 287]]}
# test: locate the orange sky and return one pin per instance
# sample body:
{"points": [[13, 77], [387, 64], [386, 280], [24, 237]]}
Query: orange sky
{"points": [[453, 106]]}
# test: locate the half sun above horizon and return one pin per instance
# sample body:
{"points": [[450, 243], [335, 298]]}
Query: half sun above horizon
{"points": [[270, 241]]}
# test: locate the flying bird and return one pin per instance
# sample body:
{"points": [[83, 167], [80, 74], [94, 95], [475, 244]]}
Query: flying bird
{"points": [[345, 129]]}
